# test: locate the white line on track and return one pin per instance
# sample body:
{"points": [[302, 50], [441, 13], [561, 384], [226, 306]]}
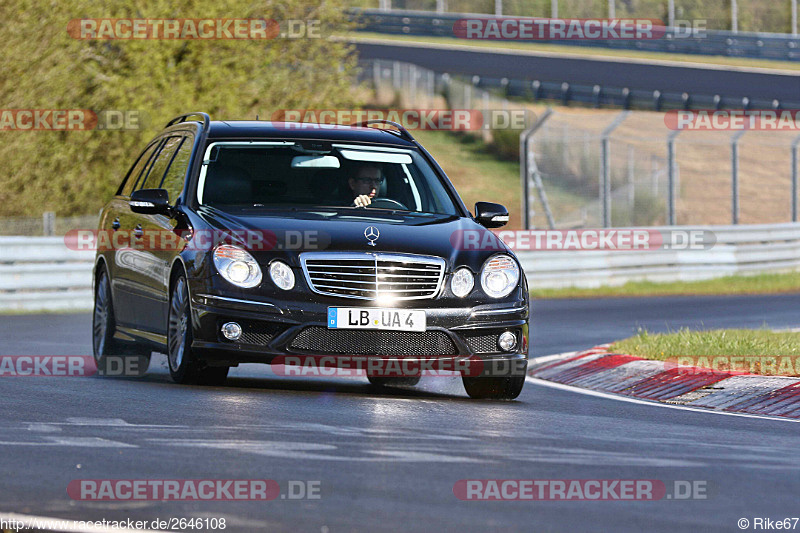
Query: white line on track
{"points": [[621, 398]]}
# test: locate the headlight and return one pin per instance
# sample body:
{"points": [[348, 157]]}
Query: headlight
{"points": [[462, 282], [237, 266], [282, 275], [499, 276]]}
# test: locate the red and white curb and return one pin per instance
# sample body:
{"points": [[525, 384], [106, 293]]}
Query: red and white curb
{"points": [[732, 392]]}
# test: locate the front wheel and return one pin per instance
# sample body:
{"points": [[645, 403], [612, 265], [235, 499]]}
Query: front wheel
{"points": [[184, 366], [494, 388]]}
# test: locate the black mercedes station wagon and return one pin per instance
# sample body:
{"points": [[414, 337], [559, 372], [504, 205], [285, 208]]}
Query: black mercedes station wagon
{"points": [[251, 241]]}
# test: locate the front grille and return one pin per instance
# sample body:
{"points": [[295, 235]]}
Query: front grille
{"points": [[362, 342], [369, 276]]}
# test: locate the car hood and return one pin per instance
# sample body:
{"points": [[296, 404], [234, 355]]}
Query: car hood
{"points": [[458, 240]]}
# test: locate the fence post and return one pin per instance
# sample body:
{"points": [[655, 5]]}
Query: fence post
{"points": [[524, 171], [412, 84], [498, 8], [671, 181], [735, 176], [631, 181], [385, 5], [612, 9], [554, 9], [794, 17], [795, 144], [734, 16], [376, 77], [605, 177], [49, 223], [671, 13], [396, 75], [441, 6]]}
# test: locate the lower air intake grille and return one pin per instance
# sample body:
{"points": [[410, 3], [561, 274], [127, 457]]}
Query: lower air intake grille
{"points": [[357, 342], [484, 342], [255, 332]]}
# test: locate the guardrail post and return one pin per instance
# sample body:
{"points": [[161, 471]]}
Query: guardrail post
{"points": [[605, 178], [524, 167], [671, 182], [735, 176], [734, 16], [795, 144], [441, 6], [794, 17], [48, 223], [498, 8]]}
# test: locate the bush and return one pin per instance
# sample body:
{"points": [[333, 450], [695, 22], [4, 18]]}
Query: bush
{"points": [[44, 68]]}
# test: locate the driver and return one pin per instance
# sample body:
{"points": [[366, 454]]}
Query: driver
{"points": [[365, 184]]}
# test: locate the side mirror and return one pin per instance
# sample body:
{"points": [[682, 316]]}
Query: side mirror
{"points": [[151, 202], [491, 215]]}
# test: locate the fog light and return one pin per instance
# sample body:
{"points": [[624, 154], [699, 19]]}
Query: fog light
{"points": [[232, 331], [507, 341]]}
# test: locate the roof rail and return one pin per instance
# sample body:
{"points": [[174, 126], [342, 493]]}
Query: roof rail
{"points": [[401, 131], [182, 118]]}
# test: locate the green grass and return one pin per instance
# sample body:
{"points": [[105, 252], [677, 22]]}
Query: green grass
{"points": [[479, 175], [757, 284], [759, 351], [585, 51]]}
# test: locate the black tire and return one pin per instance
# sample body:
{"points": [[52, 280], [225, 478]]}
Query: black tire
{"points": [[184, 366], [104, 325], [393, 382], [494, 388]]}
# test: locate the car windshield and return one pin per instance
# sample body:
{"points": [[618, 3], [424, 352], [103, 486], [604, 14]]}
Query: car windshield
{"points": [[291, 175]]}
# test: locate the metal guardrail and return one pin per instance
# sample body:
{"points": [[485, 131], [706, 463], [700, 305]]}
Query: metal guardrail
{"points": [[738, 250], [40, 273], [713, 42]]}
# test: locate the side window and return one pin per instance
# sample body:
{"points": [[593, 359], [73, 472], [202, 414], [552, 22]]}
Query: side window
{"points": [[159, 167], [176, 173], [141, 177], [133, 175]]}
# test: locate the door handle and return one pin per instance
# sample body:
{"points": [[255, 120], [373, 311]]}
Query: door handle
{"points": [[115, 225], [138, 231]]}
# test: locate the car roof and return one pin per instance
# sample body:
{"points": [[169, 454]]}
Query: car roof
{"points": [[221, 129]]}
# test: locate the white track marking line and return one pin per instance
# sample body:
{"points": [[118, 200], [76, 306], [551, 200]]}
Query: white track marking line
{"points": [[621, 398]]}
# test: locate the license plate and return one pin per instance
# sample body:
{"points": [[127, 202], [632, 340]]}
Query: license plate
{"points": [[375, 318]]}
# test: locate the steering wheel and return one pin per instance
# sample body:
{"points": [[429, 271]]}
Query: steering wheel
{"points": [[387, 203]]}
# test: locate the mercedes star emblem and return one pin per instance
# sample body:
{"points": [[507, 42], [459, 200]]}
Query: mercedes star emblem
{"points": [[372, 234]]}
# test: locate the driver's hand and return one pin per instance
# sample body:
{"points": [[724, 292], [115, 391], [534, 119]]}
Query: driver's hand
{"points": [[362, 200]]}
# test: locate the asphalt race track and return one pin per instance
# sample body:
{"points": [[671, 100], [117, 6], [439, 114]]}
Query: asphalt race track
{"points": [[608, 72], [388, 461]]}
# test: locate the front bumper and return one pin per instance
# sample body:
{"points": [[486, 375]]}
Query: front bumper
{"points": [[274, 328]]}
